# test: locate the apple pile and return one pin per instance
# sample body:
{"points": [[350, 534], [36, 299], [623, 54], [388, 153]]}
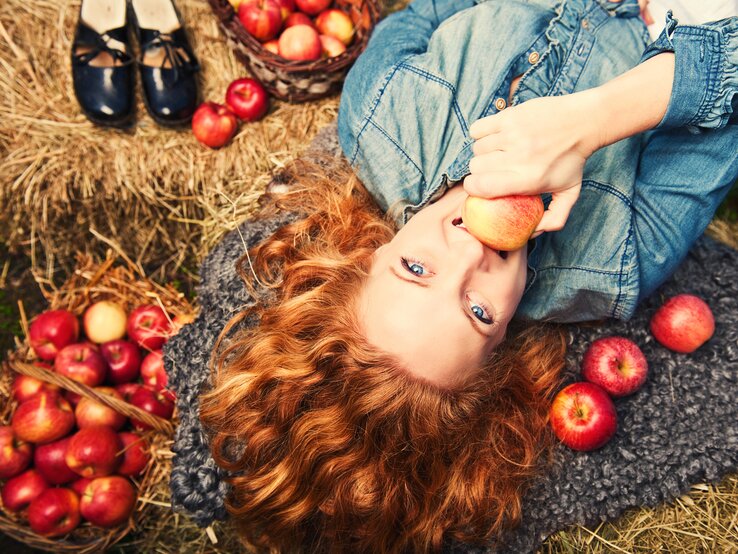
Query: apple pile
{"points": [[66, 458], [583, 414], [285, 27]]}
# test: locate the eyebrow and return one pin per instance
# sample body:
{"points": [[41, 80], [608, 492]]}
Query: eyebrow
{"points": [[427, 285]]}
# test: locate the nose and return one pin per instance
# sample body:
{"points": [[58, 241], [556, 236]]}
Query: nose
{"points": [[468, 255]]}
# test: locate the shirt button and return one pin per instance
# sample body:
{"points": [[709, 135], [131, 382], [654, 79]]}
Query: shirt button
{"points": [[534, 57], [500, 104]]}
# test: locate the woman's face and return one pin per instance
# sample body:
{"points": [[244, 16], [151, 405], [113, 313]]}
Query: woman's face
{"points": [[437, 298]]}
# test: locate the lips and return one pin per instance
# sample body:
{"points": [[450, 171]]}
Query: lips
{"points": [[459, 223]]}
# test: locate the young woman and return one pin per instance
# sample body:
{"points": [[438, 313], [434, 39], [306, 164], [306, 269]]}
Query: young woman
{"points": [[380, 397]]}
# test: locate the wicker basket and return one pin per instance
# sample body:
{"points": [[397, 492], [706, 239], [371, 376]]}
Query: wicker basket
{"points": [[90, 283], [298, 81]]}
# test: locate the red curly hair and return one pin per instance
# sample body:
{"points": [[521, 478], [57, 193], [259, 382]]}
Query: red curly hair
{"points": [[332, 445]]}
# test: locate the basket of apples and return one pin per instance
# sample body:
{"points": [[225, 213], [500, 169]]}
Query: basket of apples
{"points": [[298, 49], [85, 414]]}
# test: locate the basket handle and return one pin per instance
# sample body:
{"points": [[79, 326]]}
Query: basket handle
{"points": [[118, 405]]}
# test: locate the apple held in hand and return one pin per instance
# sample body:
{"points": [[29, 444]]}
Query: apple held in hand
{"points": [[90, 413], [312, 7], [25, 387], [148, 326], [15, 454], [93, 452], [337, 24], [55, 512], [135, 454], [50, 461], [51, 331], [683, 324], [44, 418], [108, 501], [247, 99], [19, 491], [301, 43], [83, 363], [583, 416], [616, 364], [261, 18], [505, 223], [123, 359], [298, 18], [153, 402], [104, 321], [213, 125]]}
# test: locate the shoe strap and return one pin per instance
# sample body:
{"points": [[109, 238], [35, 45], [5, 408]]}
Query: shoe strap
{"points": [[110, 41], [173, 43]]}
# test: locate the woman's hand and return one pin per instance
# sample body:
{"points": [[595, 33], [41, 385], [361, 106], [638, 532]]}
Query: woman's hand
{"points": [[535, 147]]}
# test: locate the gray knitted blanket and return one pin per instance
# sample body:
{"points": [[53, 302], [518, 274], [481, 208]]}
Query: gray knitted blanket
{"points": [[681, 428]]}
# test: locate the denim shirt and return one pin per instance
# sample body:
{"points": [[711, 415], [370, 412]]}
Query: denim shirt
{"points": [[432, 69]]}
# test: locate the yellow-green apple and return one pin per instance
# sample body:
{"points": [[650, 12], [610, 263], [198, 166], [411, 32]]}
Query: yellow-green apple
{"points": [[55, 512], [616, 364], [90, 413], [337, 24], [44, 418], [93, 452], [213, 125], [153, 402], [286, 7], [123, 359], [20, 490], [153, 372], [50, 461], [298, 18], [247, 99], [135, 454], [83, 363], [583, 416], [148, 326], [126, 390], [25, 387], [104, 321], [683, 324], [273, 47], [312, 7], [108, 501], [261, 18], [15, 454], [51, 331], [504, 223], [331, 46], [300, 42]]}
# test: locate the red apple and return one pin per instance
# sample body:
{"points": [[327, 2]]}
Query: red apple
{"points": [[83, 363], [298, 18], [127, 390], [616, 364], [312, 7], [108, 501], [123, 359], [80, 485], [683, 324], [135, 454], [55, 512], [272, 46], [331, 46], [104, 321], [25, 387], [50, 461], [73, 398], [93, 452], [505, 223], [51, 331], [153, 402], [90, 413], [19, 491], [247, 98], [15, 454], [148, 326], [337, 24], [44, 418], [214, 124], [583, 416], [152, 370], [300, 42], [261, 18], [286, 7]]}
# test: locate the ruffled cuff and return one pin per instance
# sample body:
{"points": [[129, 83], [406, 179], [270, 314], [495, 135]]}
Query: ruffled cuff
{"points": [[705, 74]]}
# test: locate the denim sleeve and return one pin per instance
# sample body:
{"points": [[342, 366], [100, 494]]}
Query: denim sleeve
{"points": [[705, 90]]}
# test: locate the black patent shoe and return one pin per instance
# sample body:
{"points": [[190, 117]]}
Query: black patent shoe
{"points": [[102, 66], [167, 64]]}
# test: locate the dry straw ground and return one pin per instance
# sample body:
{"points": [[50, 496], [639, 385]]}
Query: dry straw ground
{"points": [[160, 197]]}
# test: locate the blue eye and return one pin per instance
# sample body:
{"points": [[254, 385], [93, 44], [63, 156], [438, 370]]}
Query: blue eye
{"points": [[413, 267], [481, 314]]}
